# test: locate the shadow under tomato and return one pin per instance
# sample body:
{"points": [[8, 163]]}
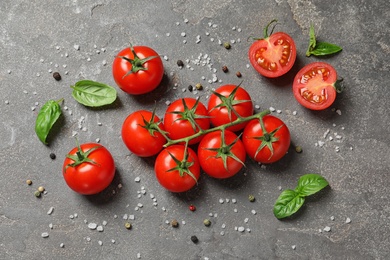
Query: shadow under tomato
{"points": [[107, 195]]}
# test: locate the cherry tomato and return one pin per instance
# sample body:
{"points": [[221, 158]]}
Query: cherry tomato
{"points": [[140, 134], [185, 117], [269, 143], [137, 70], [176, 170], [274, 55], [226, 102], [89, 168], [221, 156], [315, 86]]}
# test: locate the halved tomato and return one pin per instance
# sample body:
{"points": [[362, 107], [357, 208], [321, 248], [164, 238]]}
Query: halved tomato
{"points": [[273, 55], [315, 86]]}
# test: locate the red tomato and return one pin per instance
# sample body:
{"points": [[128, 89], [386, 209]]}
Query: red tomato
{"points": [[137, 70], [140, 135], [175, 172], [185, 117], [89, 168], [266, 145], [274, 55], [224, 101], [315, 86], [221, 158]]}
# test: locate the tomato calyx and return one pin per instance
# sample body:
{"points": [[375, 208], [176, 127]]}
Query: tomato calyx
{"points": [[81, 156], [183, 166], [137, 64], [225, 151], [229, 102], [190, 115], [267, 139], [152, 126], [338, 85]]}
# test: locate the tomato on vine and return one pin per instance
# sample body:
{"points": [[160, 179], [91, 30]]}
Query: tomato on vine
{"points": [[227, 103], [267, 139], [88, 168], [221, 154], [315, 86], [185, 117], [141, 133], [177, 168], [137, 70], [273, 55]]}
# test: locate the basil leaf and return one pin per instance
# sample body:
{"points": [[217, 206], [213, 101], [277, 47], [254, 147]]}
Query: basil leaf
{"points": [[288, 202], [325, 48], [310, 183], [93, 94], [47, 116]]}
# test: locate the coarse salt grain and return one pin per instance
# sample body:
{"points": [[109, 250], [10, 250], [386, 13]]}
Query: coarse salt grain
{"points": [[348, 220], [92, 226], [327, 229], [45, 234]]}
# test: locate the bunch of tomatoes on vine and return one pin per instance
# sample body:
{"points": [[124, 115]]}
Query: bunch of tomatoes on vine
{"points": [[216, 137]]}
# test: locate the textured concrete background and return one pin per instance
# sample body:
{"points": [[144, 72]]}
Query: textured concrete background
{"points": [[39, 36]]}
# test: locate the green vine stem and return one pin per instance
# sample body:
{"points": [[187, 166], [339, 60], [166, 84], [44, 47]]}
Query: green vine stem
{"points": [[201, 132]]}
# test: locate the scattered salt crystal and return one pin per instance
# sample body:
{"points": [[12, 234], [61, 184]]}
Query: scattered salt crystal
{"points": [[50, 211], [293, 247], [248, 230], [137, 179], [131, 217], [327, 229], [165, 57], [104, 223], [221, 201], [62, 245], [186, 20], [138, 255], [113, 241], [294, 113], [338, 111], [272, 109], [76, 47], [253, 212], [278, 111], [92, 226], [235, 210], [348, 220], [183, 34], [9, 71], [100, 243], [246, 220], [100, 228], [241, 229], [222, 233], [167, 102], [88, 239], [45, 234], [223, 226], [6, 102], [332, 218], [321, 143], [51, 225]]}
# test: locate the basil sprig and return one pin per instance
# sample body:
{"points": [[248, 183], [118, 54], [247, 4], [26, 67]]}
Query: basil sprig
{"points": [[320, 48], [93, 94], [47, 116], [290, 201]]}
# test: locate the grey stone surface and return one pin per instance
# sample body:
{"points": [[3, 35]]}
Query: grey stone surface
{"points": [[40, 36]]}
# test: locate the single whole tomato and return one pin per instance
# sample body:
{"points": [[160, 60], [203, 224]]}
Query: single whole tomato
{"points": [[226, 103], [315, 86], [221, 156], [274, 55], [88, 168], [140, 133], [266, 142], [177, 168], [137, 70], [185, 117]]}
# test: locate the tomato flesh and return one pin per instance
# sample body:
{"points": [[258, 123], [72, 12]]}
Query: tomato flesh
{"points": [[314, 86]]}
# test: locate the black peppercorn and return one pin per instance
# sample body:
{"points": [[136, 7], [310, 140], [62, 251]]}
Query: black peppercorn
{"points": [[52, 156], [225, 69], [180, 63], [238, 74], [194, 239], [57, 76], [190, 88]]}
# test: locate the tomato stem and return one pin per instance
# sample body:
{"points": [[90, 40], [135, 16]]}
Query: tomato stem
{"points": [[239, 120]]}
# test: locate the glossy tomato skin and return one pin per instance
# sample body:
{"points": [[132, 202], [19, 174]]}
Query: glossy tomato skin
{"points": [[214, 166], [171, 180], [251, 144], [220, 115], [273, 56], [177, 127], [138, 139], [314, 86], [88, 178], [142, 81]]}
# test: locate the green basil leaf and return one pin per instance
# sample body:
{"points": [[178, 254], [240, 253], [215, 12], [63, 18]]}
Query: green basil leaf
{"points": [[93, 94], [288, 202], [309, 184], [312, 41], [47, 116], [325, 48]]}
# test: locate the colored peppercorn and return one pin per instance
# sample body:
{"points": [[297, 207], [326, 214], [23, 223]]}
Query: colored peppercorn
{"points": [[251, 198], [238, 74], [227, 45], [298, 149], [128, 225], [207, 222], [192, 207], [225, 69], [174, 223], [190, 88], [199, 86], [37, 194], [29, 182]]}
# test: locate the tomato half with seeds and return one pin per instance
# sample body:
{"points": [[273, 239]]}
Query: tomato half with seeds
{"points": [[227, 103], [221, 156], [140, 133], [89, 168], [273, 55], [137, 70], [266, 140], [315, 86], [177, 168]]}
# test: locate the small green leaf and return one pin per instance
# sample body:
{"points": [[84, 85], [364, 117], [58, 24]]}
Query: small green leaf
{"points": [[288, 202], [312, 41], [309, 184], [325, 48], [47, 116], [93, 94]]}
